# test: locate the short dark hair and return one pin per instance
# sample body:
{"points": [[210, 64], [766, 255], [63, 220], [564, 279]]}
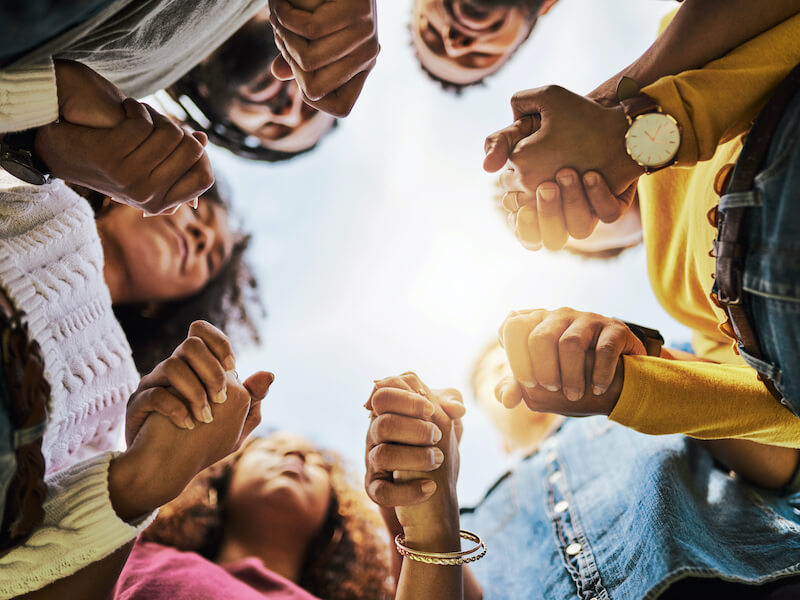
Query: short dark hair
{"points": [[532, 14], [212, 84], [230, 301]]}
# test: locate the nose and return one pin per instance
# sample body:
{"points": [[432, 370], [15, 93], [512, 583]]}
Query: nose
{"points": [[201, 237], [456, 43], [290, 115]]}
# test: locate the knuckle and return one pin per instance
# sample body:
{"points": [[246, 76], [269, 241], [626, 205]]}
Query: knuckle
{"points": [[570, 343]]}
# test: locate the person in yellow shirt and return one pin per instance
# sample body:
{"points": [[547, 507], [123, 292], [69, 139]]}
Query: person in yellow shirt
{"points": [[714, 107]]}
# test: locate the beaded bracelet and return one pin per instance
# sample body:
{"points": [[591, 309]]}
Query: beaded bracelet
{"points": [[444, 558]]}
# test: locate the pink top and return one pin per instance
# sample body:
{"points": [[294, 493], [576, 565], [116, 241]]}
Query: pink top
{"points": [[156, 572]]}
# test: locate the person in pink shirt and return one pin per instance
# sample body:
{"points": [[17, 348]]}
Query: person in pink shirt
{"points": [[278, 519]]}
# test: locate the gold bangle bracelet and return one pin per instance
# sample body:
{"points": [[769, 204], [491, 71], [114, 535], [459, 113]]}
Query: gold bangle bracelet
{"points": [[444, 558]]}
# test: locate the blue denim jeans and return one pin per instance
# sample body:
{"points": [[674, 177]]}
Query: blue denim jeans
{"points": [[29, 23], [771, 277], [603, 512]]}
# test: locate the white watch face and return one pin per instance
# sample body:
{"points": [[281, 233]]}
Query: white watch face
{"points": [[653, 139]]}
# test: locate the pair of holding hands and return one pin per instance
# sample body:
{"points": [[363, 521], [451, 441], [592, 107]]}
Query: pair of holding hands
{"points": [[412, 459], [187, 414], [328, 46], [120, 147], [566, 167]]}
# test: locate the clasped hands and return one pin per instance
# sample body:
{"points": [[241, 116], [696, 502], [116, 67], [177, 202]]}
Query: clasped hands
{"points": [[328, 46], [566, 167], [186, 414], [120, 147]]}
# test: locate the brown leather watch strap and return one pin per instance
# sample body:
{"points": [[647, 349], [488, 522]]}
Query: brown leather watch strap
{"points": [[641, 104]]}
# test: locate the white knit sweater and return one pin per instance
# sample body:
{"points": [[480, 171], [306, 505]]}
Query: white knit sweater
{"points": [[51, 266], [141, 46]]}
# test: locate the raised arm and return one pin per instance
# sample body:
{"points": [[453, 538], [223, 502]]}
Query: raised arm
{"points": [[412, 469]]}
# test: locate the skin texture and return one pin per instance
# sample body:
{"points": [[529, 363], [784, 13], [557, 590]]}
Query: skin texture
{"points": [[329, 48], [120, 147], [462, 43], [166, 257]]}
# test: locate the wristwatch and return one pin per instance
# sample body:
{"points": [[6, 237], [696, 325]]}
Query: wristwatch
{"points": [[652, 339], [653, 136], [18, 157]]}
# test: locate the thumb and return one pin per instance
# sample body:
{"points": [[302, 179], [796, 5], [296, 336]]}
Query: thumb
{"points": [[452, 403], [258, 384], [281, 69], [499, 145]]}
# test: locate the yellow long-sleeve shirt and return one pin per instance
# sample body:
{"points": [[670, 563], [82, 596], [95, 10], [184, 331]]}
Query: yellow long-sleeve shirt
{"points": [[714, 106]]}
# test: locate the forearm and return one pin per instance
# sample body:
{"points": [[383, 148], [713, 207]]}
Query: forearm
{"points": [[702, 400], [81, 528], [685, 43], [421, 581], [767, 466]]}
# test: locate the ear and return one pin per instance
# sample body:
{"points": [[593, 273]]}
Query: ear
{"points": [[546, 6]]}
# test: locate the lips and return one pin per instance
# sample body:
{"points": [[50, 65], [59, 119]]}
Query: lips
{"points": [[183, 247]]}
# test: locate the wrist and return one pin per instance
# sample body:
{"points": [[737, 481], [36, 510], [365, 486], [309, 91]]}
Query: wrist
{"points": [[439, 537], [134, 490], [628, 170]]}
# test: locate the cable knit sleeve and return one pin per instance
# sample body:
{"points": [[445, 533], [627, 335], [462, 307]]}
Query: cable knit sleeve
{"points": [[80, 528], [28, 96]]}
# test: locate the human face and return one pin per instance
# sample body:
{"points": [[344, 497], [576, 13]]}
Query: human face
{"points": [[275, 113], [281, 481], [462, 42], [168, 257]]}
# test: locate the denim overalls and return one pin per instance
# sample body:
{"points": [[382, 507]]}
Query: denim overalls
{"points": [[603, 512]]}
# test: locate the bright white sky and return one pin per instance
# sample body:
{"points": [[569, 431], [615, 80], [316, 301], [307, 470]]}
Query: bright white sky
{"points": [[383, 251]]}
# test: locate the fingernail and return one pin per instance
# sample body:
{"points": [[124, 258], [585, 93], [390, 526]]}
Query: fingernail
{"points": [[428, 487], [530, 385], [220, 396], [547, 194], [590, 179], [229, 364], [438, 457], [206, 414], [437, 434], [565, 179], [526, 217], [573, 395], [551, 388], [189, 423], [427, 412], [491, 147], [598, 390]]}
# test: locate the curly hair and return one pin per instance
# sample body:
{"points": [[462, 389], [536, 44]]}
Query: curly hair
{"points": [[347, 559]]}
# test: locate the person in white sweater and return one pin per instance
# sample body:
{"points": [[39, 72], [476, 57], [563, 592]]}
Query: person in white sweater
{"points": [[52, 268]]}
